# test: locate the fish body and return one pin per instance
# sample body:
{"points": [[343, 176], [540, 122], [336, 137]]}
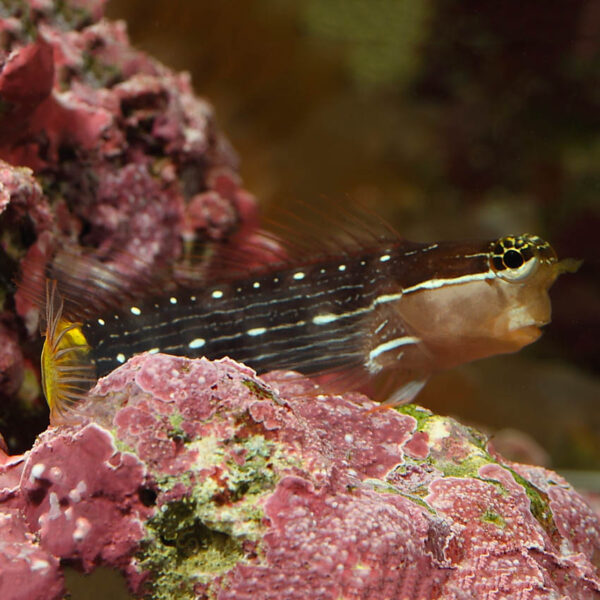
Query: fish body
{"points": [[409, 307]]}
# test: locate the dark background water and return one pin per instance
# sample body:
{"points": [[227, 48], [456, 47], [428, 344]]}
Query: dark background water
{"points": [[453, 119]]}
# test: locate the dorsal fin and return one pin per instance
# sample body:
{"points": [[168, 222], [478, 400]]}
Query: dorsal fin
{"points": [[89, 285], [323, 232], [83, 285]]}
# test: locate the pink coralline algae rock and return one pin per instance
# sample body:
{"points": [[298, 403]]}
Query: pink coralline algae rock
{"points": [[105, 149], [196, 479], [123, 144], [26, 570]]}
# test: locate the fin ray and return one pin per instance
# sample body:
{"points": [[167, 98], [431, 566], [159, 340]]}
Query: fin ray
{"points": [[67, 372]]}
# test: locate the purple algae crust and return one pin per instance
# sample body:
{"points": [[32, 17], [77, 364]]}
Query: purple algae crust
{"points": [[196, 479], [130, 159], [103, 150]]}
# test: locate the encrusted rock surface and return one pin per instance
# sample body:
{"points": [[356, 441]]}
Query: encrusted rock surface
{"points": [[197, 480], [102, 148], [123, 145]]}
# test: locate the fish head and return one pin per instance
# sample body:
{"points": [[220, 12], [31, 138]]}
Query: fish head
{"points": [[498, 307]]}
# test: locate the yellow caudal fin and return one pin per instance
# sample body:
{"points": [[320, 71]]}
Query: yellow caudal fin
{"points": [[67, 371]]}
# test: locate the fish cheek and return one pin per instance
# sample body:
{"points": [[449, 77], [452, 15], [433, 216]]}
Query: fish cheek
{"points": [[458, 323], [527, 308]]}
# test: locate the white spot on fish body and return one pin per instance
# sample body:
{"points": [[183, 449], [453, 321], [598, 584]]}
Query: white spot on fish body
{"points": [[121, 357], [256, 285], [101, 322], [342, 268], [256, 331], [299, 275], [193, 298], [135, 310], [217, 294], [173, 300], [154, 351], [197, 343], [324, 319], [384, 258]]}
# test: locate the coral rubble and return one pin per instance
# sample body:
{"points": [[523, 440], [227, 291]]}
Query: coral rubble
{"points": [[195, 479]]}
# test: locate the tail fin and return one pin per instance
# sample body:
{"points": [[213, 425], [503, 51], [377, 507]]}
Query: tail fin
{"points": [[67, 370]]}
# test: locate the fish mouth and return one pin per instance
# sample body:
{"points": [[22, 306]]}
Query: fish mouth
{"points": [[529, 324], [527, 334]]}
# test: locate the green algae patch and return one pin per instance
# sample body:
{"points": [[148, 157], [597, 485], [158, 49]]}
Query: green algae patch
{"points": [[120, 445], [420, 414], [176, 431], [468, 467], [192, 539], [384, 487], [539, 504], [182, 551], [455, 450], [492, 517], [255, 474], [261, 392]]}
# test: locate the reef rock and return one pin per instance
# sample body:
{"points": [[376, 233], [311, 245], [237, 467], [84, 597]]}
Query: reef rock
{"points": [[197, 479], [103, 150]]}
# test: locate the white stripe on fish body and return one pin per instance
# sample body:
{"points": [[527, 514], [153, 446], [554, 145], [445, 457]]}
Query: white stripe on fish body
{"points": [[432, 284], [300, 314], [373, 366], [414, 307]]}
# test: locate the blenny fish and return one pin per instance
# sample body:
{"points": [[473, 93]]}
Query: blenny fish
{"points": [[413, 308]]}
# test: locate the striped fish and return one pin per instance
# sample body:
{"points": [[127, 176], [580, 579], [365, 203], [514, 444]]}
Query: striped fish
{"points": [[408, 307]]}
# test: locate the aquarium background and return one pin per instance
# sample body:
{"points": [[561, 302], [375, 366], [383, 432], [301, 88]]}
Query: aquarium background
{"points": [[454, 119]]}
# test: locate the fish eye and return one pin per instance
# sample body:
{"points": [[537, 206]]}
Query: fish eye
{"points": [[514, 258]]}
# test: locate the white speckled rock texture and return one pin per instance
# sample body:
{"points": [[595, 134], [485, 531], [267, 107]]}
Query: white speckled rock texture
{"points": [[198, 480]]}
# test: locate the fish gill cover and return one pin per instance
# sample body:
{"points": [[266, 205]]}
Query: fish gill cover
{"points": [[196, 479]]}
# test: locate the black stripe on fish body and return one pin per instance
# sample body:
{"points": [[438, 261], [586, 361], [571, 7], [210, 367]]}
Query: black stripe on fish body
{"points": [[440, 261], [311, 318], [419, 307]]}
